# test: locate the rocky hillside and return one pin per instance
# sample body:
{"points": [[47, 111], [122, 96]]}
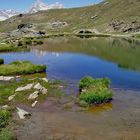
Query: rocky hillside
{"points": [[108, 16]]}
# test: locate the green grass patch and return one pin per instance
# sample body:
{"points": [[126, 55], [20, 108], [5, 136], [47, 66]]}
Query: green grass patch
{"points": [[1, 61], [4, 118], [20, 68], [6, 134], [95, 91], [7, 90], [7, 48]]}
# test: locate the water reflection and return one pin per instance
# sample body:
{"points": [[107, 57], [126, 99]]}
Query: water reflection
{"points": [[71, 58], [124, 52]]}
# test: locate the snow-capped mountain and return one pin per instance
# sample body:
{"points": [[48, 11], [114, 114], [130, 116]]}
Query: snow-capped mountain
{"points": [[5, 14], [39, 5]]}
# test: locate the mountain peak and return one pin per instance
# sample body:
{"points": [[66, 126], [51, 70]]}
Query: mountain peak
{"points": [[39, 5]]}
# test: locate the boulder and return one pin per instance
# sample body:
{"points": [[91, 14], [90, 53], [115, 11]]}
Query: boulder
{"points": [[33, 95], [10, 98], [22, 113], [93, 17], [34, 103], [28, 25], [27, 87]]}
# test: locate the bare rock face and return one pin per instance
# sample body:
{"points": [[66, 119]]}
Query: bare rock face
{"points": [[27, 87], [22, 113], [126, 27], [33, 95]]}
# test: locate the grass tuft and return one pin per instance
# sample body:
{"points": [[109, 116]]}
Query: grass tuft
{"points": [[95, 91], [21, 67]]}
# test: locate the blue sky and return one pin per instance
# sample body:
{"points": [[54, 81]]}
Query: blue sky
{"points": [[22, 5]]}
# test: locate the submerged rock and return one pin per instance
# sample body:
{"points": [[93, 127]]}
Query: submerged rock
{"points": [[22, 113], [33, 95], [34, 103], [27, 87], [10, 98], [45, 79]]}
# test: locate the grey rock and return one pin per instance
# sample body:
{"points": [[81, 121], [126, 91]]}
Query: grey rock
{"points": [[44, 90], [6, 78], [27, 87], [33, 95], [34, 103], [38, 86], [10, 98], [22, 113]]}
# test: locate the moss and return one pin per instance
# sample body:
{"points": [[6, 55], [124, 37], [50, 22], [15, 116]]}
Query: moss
{"points": [[21, 67], [95, 91], [1, 61]]}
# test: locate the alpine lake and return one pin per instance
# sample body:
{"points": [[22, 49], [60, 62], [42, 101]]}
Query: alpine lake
{"points": [[71, 58]]}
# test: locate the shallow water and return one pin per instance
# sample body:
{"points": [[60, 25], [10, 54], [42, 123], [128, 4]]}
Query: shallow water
{"points": [[70, 59], [119, 120]]}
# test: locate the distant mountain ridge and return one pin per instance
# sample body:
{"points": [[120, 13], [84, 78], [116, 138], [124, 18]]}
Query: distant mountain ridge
{"points": [[39, 5], [107, 16], [5, 14]]}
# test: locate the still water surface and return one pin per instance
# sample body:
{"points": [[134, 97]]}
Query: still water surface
{"points": [[71, 58]]}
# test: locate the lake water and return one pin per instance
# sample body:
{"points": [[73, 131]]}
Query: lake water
{"points": [[71, 58]]}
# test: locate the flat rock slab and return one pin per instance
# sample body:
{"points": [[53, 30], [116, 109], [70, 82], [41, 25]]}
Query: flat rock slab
{"points": [[27, 87], [6, 78], [22, 113]]}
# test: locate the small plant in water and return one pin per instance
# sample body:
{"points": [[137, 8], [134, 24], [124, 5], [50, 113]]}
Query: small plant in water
{"points": [[95, 91]]}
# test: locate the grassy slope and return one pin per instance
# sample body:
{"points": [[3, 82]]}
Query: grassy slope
{"points": [[78, 18]]}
